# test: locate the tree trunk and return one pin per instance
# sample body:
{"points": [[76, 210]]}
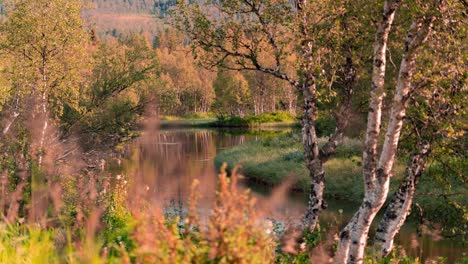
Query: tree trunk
{"points": [[378, 177], [315, 157], [353, 236], [400, 205], [14, 117], [312, 159], [8, 125], [44, 128]]}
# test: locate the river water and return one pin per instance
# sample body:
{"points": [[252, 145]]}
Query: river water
{"points": [[171, 159]]}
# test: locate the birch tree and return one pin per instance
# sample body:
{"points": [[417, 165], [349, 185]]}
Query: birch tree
{"points": [[45, 40], [435, 116], [237, 34], [5, 96], [377, 172]]}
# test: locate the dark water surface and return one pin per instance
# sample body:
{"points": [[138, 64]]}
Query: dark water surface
{"points": [[171, 159]]}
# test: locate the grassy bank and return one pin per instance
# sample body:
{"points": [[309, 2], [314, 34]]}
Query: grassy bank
{"points": [[270, 160], [261, 120], [265, 120], [188, 120]]}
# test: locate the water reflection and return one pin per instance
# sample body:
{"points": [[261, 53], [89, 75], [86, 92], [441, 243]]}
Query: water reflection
{"points": [[166, 162]]}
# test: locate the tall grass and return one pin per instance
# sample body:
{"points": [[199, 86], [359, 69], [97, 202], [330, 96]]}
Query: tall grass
{"points": [[123, 228]]}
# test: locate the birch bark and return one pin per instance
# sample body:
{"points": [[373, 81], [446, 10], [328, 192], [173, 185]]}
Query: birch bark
{"points": [[378, 176], [373, 123], [14, 116], [315, 156], [400, 205]]}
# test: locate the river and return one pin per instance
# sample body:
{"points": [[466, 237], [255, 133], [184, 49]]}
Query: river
{"points": [[171, 159]]}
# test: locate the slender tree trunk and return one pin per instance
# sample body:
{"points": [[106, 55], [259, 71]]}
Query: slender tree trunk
{"points": [[291, 101], [351, 238], [318, 157], [255, 103], [9, 123], [14, 116], [315, 157], [378, 177], [312, 159], [44, 128], [309, 135], [400, 205]]}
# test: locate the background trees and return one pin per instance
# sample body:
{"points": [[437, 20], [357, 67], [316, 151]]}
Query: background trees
{"points": [[47, 56], [232, 94], [263, 36], [122, 84], [250, 57], [188, 88]]}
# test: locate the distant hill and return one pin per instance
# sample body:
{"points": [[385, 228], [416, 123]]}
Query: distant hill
{"points": [[2, 9], [118, 18], [157, 7]]}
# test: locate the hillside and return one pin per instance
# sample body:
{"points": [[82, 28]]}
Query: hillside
{"points": [[157, 7], [118, 18]]}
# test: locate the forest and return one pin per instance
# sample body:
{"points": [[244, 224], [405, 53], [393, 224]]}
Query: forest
{"points": [[234, 131]]}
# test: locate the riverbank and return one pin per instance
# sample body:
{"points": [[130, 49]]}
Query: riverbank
{"points": [[270, 160], [265, 120]]}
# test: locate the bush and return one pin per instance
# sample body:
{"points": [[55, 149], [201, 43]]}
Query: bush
{"points": [[325, 125], [113, 122]]}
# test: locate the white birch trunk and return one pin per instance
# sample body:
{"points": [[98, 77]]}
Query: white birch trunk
{"points": [[309, 135], [400, 205], [8, 125], [348, 241], [377, 190], [315, 157], [313, 162], [14, 117], [44, 128]]}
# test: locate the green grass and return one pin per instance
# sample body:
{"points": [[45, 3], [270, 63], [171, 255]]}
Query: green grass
{"points": [[265, 120], [190, 116], [31, 245], [270, 160], [261, 120], [174, 122]]}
